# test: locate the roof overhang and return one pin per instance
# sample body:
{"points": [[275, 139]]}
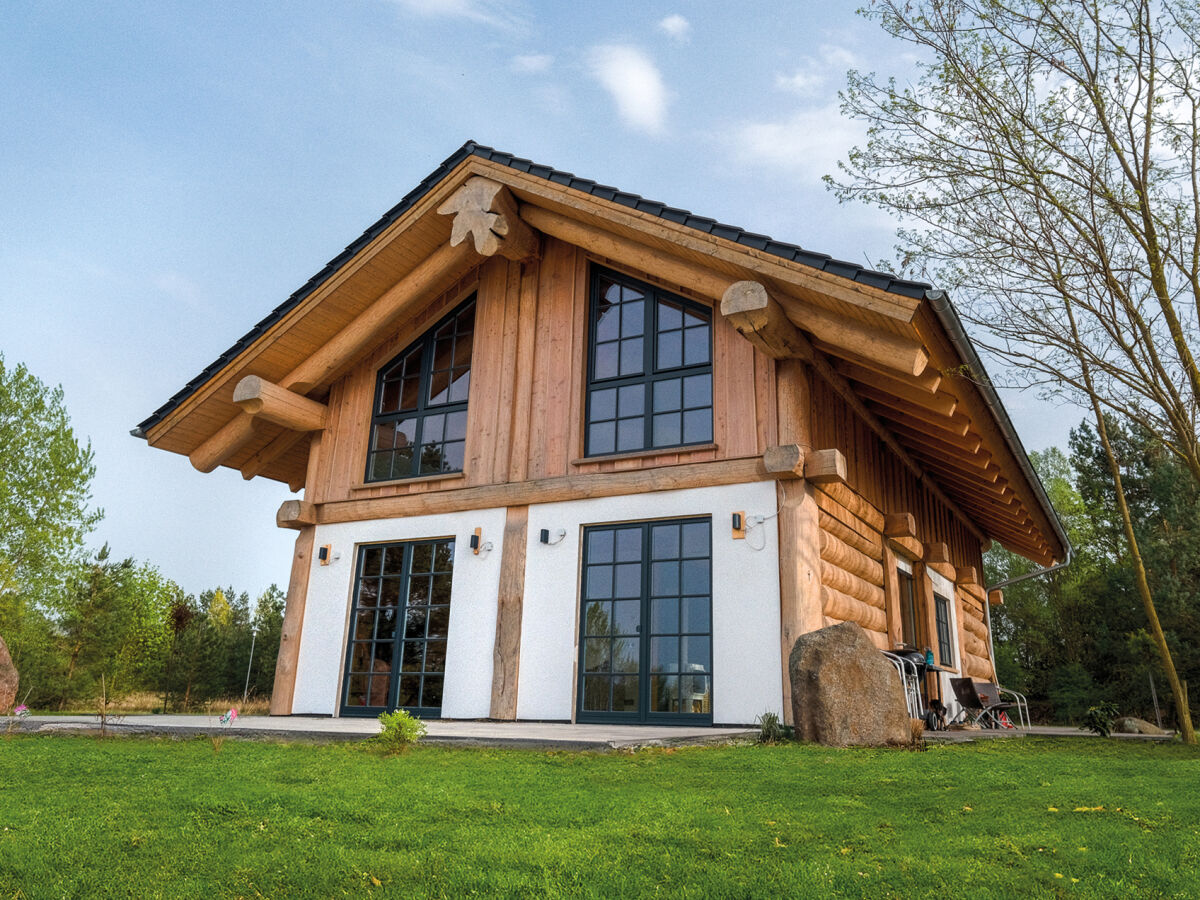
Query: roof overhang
{"points": [[898, 344]]}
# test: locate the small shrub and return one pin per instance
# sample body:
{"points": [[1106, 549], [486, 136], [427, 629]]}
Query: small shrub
{"points": [[771, 730], [1099, 719], [917, 732], [400, 731]]}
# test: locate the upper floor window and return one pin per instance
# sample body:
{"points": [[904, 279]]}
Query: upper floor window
{"points": [[649, 368], [419, 426]]}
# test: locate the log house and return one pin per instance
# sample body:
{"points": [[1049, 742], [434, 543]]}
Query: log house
{"points": [[569, 454]]}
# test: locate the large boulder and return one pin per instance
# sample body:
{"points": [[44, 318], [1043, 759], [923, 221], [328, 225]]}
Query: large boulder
{"points": [[1134, 725], [8, 680], [846, 693]]}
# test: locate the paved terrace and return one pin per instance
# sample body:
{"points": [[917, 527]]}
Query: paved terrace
{"points": [[539, 735]]}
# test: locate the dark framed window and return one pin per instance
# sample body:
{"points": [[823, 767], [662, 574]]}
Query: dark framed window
{"points": [[649, 368], [941, 607], [908, 608], [399, 623], [646, 623], [419, 424]]}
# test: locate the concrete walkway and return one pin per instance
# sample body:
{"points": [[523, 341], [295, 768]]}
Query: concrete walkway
{"points": [[542, 735], [1050, 731]]}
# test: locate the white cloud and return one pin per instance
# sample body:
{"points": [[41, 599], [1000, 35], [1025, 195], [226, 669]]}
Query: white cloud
{"points": [[807, 144], [635, 85], [814, 73], [532, 63], [497, 13], [677, 27]]}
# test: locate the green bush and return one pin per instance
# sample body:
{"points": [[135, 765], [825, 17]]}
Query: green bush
{"points": [[400, 731], [1099, 719]]}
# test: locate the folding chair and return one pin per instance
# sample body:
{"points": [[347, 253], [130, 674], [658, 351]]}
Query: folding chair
{"points": [[981, 703]]}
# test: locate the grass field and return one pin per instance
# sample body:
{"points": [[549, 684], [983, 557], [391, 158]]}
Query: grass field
{"points": [[83, 817]]}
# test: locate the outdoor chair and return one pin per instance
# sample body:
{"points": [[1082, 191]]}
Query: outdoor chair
{"points": [[981, 703]]}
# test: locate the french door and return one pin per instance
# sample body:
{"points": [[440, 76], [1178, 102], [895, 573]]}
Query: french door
{"points": [[399, 622], [645, 643]]}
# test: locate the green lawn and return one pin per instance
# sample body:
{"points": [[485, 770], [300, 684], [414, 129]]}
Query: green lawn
{"points": [[82, 817]]}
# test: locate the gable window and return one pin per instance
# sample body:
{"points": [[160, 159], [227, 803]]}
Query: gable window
{"points": [[419, 426], [649, 368]]}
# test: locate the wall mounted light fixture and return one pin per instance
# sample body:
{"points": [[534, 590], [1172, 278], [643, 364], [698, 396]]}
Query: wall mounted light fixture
{"points": [[559, 535]]}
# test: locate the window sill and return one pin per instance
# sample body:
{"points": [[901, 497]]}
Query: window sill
{"points": [[644, 454], [416, 479]]}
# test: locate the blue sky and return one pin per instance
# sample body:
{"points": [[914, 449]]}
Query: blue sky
{"points": [[171, 172]]}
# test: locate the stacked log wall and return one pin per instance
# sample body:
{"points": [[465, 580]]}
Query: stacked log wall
{"points": [[851, 545]]}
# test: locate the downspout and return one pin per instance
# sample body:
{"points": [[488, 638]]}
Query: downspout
{"points": [[939, 302]]}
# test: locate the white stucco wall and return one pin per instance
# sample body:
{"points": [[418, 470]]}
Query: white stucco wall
{"points": [[747, 677], [471, 639]]}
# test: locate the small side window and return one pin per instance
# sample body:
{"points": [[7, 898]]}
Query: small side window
{"points": [[945, 641]]}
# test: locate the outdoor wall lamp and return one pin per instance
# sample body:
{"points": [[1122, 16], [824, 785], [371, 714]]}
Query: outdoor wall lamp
{"points": [[559, 535], [478, 545]]}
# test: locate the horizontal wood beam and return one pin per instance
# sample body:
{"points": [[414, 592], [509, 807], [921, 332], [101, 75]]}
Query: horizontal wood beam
{"points": [[485, 211], [760, 319], [967, 449], [343, 347], [825, 467], [549, 490], [296, 514], [942, 404], [899, 525], [929, 381], [785, 460], [259, 397], [955, 424], [900, 353]]}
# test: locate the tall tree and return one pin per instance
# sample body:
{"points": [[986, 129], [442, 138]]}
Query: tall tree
{"points": [[1048, 155]]}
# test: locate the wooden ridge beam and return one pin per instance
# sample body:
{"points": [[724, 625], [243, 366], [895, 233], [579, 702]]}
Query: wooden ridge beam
{"points": [[760, 319], [340, 351], [486, 211], [903, 354], [259, 397]]}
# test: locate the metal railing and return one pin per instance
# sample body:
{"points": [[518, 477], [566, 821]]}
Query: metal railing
{"points": [[910, 680]]}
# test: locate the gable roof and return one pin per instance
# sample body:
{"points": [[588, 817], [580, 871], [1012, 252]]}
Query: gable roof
{"points": [[913, 292]]}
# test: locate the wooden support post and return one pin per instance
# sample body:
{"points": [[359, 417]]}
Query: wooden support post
{"points": [[506, 657], [800, 609], [486, 211], [259, 397], [891, 596], [825, 467], [293, 620]]}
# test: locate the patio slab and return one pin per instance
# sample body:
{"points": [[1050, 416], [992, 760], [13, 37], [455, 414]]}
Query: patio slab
{"points": [[541, 735]]}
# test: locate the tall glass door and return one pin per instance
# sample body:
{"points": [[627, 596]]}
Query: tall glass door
{"points": [[646, 623], [399, 623]]}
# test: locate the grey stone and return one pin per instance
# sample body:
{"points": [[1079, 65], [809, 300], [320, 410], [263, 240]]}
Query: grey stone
{"points": [[845, 693], [9, 680], [1134, 725]]}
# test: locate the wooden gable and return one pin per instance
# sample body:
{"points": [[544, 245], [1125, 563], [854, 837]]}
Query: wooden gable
{"points": [[524, 239]]}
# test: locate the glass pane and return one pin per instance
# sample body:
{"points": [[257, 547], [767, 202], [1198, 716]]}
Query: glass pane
{"points": [[389, 401], [410, 691], [595, 693], [630, 434], [356, 691], [625, 694], [383, 657], [372, 560], [695, 693], [695, 346], [460, 385], [414, 656], [625, 654], [669, 316], [600, 546], [439, 621], [667, 395], [670, 350], [627, 616], [606, 360], [599, 583], [631, 401], [664, 579], [602, 438], [628, 580], [696, 656], [607, 323], [411, 392], [368, 592], [604, 405], [597, 618], [664, 693], [439, 387], [431, 693], [695, 576], [360, 658], [596, 655], [633, 319], [697, 426], [435, 656], [389, 594], [668, 430], [386, 629], [697, 391], [664, 654], [631, 356], [629, 545], [456, 426], [664, 541], [664, 615], [695, 616], [695, 538], [418, 590], [364, 628], [441, 589], [381, 466]]}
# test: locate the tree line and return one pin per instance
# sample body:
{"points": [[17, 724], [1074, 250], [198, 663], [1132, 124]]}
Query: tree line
{"points": [[79, 624]]}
